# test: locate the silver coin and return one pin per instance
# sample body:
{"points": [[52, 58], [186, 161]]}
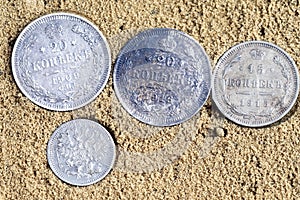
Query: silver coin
{"points": [[162, 77], [81, 152], [255, 83], [61, 61]]}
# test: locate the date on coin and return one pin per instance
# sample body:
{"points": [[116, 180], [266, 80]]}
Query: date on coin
{"points": [[255, 83], [61, 61]]}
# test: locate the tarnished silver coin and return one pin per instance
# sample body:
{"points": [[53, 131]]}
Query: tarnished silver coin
{"points": [[255, 83], [162, 77], [61, 61], [81, 152]]}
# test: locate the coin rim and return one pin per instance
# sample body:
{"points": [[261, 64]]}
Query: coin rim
{"points": [[51, 159], [236, 48], [145, 33], [22, 88]]}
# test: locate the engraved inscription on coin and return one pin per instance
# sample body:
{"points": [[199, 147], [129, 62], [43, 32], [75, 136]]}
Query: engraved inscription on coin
{"points": [[255, 83], [61, 61], [81, 152], [162, 77]]}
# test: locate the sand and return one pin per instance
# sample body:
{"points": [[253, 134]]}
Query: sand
{"points": [[200, 159]]}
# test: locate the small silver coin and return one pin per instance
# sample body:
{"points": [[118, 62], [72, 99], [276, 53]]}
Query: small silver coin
{"points": [[255, 83], [61, 61], [81, 152], [162, 77]]}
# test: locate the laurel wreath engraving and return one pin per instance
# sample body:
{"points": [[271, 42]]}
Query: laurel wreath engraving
{"points": [[233, 108], [36, 89], [235, 59], [225, 97], [278, 60], [40, 92]]}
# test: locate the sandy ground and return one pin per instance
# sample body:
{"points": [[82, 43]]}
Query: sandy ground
{"points": [[200, 159]]}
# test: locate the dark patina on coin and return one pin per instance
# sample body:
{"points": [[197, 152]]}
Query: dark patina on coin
{"points": [[162, 77]]}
